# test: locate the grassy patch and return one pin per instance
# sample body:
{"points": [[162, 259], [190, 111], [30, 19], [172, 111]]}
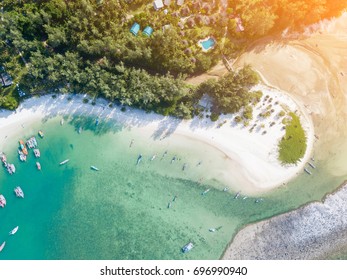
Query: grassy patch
{"points": [[293, 145]]}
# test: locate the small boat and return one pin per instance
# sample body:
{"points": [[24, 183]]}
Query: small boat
{"points": [[307, 171], [38, 165], [211, 229], [169, 205], [131, 143], [245, 197], [37, 153], [153, 157], [311, 164], [19, 192], [64, 162], [174, 199], [205, 191], [12, 232], [80, 130], [173, 159], [2, 246], [3, 158], [94, 168], [258, 200], [11, 168], [41, 134], [21, 144], [2, 201], [184, 167], [164, 154], [139, 159], [225, 189], [61, 121], [96, 122], [186, 248], [237, 195], [22, 156], [199, 163]]}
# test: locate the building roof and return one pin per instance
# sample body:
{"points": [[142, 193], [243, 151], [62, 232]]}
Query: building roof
{"points": [[5, 78], [158, 4], [148, 31], [185, 12], [167, 2], [135, 28], [180, 2]]}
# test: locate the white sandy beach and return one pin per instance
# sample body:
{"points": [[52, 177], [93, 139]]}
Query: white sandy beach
{"points": [[313, 70], [250, 161]]}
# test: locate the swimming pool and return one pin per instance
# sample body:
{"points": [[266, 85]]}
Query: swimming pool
{"points": [[207, 44]]}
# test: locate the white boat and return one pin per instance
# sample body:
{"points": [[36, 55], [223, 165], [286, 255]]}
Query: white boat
{"points": [[312, 165], [153, 157], [205, 191], [80, 130], [64, 162], [19, 192], [12, 232], [186, 248], [2, 246], [94, 168], [37, 153], [38, 165], [139, 159], [2, 201], [225, 189], [237, 195], [211, 229], [307, 171], [61, 121]]}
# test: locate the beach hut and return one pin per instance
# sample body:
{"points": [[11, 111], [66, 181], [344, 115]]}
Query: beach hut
{"points": [[148, 31], [135, 28], [158, 4]]}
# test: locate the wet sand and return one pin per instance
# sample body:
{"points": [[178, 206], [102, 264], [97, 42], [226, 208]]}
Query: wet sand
{"points": [[313, 70]]}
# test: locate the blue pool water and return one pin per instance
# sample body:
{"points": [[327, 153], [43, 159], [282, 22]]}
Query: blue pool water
{"points": [[207, 44]]}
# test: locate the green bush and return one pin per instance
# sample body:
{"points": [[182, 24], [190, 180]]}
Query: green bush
{"points": [[293, 145], [214, 117]]}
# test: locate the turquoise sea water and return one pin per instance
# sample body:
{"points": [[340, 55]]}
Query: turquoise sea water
{"points": [[121, 211]]}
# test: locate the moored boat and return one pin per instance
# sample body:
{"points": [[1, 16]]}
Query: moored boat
{"points": [[186, 248], [139, 158], [237, 195], [2, 201], [205, 191], [41, 134], [64, 162], [307, 171], [94, 168], [2, 245], [3, 158], [11, 168], [37, 153], [12, 232], [61, 121], [153, 157], [311, 164], [38, 165], [19, 192]]}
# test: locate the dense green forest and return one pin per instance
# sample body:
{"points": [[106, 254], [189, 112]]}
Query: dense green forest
{"points": [[84, 46]]}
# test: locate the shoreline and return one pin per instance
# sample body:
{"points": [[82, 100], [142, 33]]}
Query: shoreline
{"points": [[296, 234], [250, 163], [315, 67]]}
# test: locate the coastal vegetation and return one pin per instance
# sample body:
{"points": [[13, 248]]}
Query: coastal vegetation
{"points": [[293, 145], [86, 47]]}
